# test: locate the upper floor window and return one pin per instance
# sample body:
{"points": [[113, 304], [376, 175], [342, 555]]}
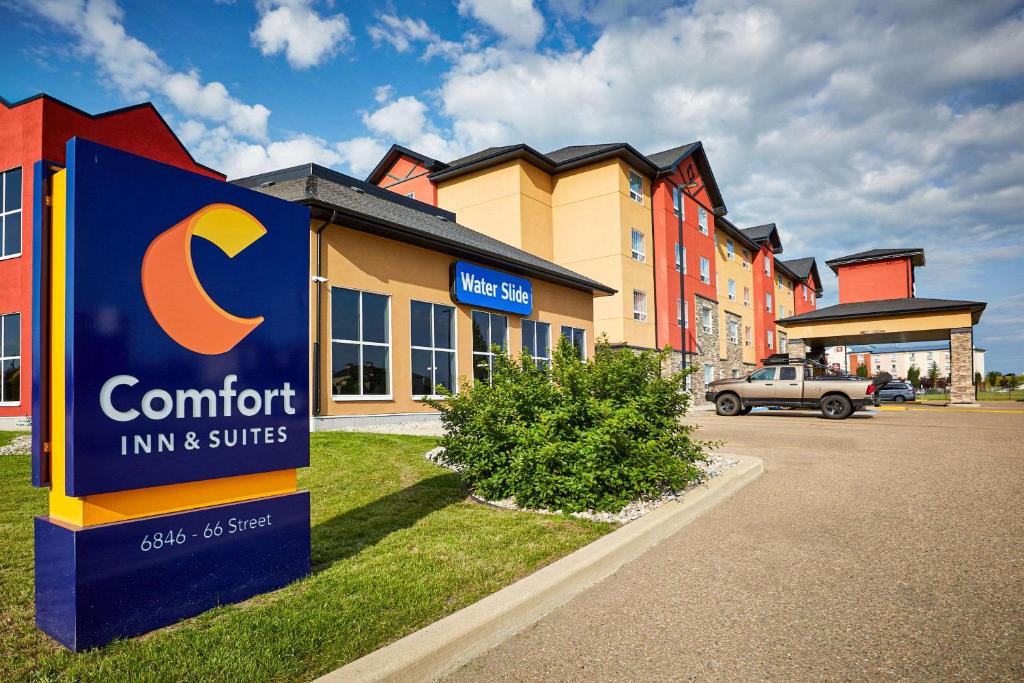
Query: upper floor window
{"points": [[578, 337], [680, 258], [734, 331], [804, 290], [730, 249], [636, 186], [432, 329], [10, 358], [705, 319], [746, 259], [639, 248], [771, 339], [746, 297], [702, 219], [682, 314], [767, 302], [705, 271], [360, 343], [746, 335], [677, 202], [782, 311], [537, 342], [732, 290], [778, 280], [10, 213], [767, 266], [709, 373], [639, 305]]}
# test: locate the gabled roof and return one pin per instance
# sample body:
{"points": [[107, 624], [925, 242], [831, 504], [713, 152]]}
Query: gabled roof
{"points": [[915, 254], [668, 161], [363, 206], [728, 227], [765, 233], [573, 152], [805, 268], [885, 307], [113, 112], [393, 154]]}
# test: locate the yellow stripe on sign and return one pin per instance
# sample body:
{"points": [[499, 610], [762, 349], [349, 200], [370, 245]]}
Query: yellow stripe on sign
{"points": [[104, 508]]}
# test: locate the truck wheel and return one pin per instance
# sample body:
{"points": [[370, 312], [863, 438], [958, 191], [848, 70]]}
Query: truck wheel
{"points": [[746, 410], [727, 405], [899, 399], [836, 407]]}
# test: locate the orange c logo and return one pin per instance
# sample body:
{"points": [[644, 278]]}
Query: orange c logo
{"points": [[174, 294]]}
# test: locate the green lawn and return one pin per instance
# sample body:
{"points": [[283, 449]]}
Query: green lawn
{"points": [[395, 547], [982, 396]]}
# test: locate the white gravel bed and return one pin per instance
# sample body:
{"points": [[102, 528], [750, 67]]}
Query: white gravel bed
{"points": [[715, 466], [19, 445], [424, 428]]}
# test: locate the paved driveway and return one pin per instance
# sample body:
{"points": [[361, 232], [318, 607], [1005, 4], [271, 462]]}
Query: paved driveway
{"points": [[889, 545]]}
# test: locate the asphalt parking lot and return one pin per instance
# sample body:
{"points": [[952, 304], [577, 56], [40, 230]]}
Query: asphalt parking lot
{"points": [[886, 546]]}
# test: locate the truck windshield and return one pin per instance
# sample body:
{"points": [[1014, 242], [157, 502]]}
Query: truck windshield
{"points": [[763, 374]]}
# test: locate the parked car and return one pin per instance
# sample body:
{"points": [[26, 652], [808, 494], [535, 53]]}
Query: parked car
{"points": [[897, 392], [791, 382]]}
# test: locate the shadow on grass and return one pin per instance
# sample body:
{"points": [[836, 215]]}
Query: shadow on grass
{"points": [[349, 533]]}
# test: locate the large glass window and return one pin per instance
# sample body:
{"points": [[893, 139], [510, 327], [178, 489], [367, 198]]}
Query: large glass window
{"points": [[636, 186], [730, 249], [489, 330], [680, 258], [537, 341], [705, 270], [639, 248], [360, 344], [639, 305], [767, 301], [677, 202], [578, 337], [10, 357], [433, 347], [705, 319], [709, 373], [732, 290], [734, 332], [10, 213], [702, 219]]}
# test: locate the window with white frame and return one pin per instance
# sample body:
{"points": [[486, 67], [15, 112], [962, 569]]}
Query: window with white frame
{"points": [[767, 266], [782, 311], [639, 305], [778, 280], [679, 312], [432, 328], [746, 259], [537, 341], [702, 219], [767, 301], [735, 373], [679, 263], [771, 339], [10, 213], [10, 358], [489, 330], [734, 331], [705, 271], [709, 374], [578, 337], [677, 202], [746, 336], [636, 186], [639, 248], [730, 249], [746, 297], [732, 289], [804, 290], [360, 344], [782, 342], [705, 319]]}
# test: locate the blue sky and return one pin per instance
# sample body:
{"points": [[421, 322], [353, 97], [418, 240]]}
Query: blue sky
{"points": [[852, 125]]}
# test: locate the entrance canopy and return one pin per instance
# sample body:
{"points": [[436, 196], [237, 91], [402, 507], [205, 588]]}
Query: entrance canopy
{"points": [[894, 320]]}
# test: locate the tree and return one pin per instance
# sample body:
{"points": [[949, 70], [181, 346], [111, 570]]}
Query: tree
{"points": [[862, 370], [1011, 382], [992, 378], [933, 375], [914, 376], [977, 379]]}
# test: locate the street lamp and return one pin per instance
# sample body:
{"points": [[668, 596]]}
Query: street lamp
{"points": [[682, 189]]}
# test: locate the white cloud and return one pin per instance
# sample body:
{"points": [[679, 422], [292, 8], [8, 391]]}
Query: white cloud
{"points": [[403, 120], [383, 93], [518, 21], [296, 29], [361, 154], [404, 33]]}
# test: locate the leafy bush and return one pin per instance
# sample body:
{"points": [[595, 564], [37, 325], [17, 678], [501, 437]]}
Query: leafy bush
{"points": [[575, 436]]}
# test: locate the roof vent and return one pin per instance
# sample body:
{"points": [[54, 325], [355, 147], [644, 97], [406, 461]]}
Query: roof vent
{"points": [[358, 189], [441, 218]]}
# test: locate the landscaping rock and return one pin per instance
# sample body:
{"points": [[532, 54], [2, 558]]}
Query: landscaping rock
{"points": [[19, 445]]}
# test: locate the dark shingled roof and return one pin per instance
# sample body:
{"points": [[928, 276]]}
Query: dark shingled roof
{"points": [[767, 232], [482, 154], [670, 157], [573, 152], [360, 205], [916, 255], [804, 268], [884, 307]]}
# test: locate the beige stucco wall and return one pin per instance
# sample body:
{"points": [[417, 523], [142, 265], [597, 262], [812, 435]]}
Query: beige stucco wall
{"points": [[734, 269], [357, 260]]}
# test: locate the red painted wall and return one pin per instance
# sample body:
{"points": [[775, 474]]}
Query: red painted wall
{"points": [[39, 129], [666, 234], [764, 319], [408, 175], [876, 280], [801, 290]]}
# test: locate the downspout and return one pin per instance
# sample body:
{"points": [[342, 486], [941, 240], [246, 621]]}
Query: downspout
{"points": [[319, 279], [682, 273]]}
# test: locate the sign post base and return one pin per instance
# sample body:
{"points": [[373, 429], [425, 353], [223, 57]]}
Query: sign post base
{"points": [[99, 583]]}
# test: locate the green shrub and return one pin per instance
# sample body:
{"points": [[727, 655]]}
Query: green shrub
{"points": [[577, 436]]}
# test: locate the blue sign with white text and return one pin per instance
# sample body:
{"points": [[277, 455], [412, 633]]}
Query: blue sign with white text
{"points": [[478, 286], [188, 323]]}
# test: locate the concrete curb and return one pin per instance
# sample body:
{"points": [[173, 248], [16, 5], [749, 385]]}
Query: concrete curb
{"points": [[445, 645]]}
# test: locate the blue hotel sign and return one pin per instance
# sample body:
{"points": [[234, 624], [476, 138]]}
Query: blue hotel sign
{"points": [[474, 285], [179, 353]]}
